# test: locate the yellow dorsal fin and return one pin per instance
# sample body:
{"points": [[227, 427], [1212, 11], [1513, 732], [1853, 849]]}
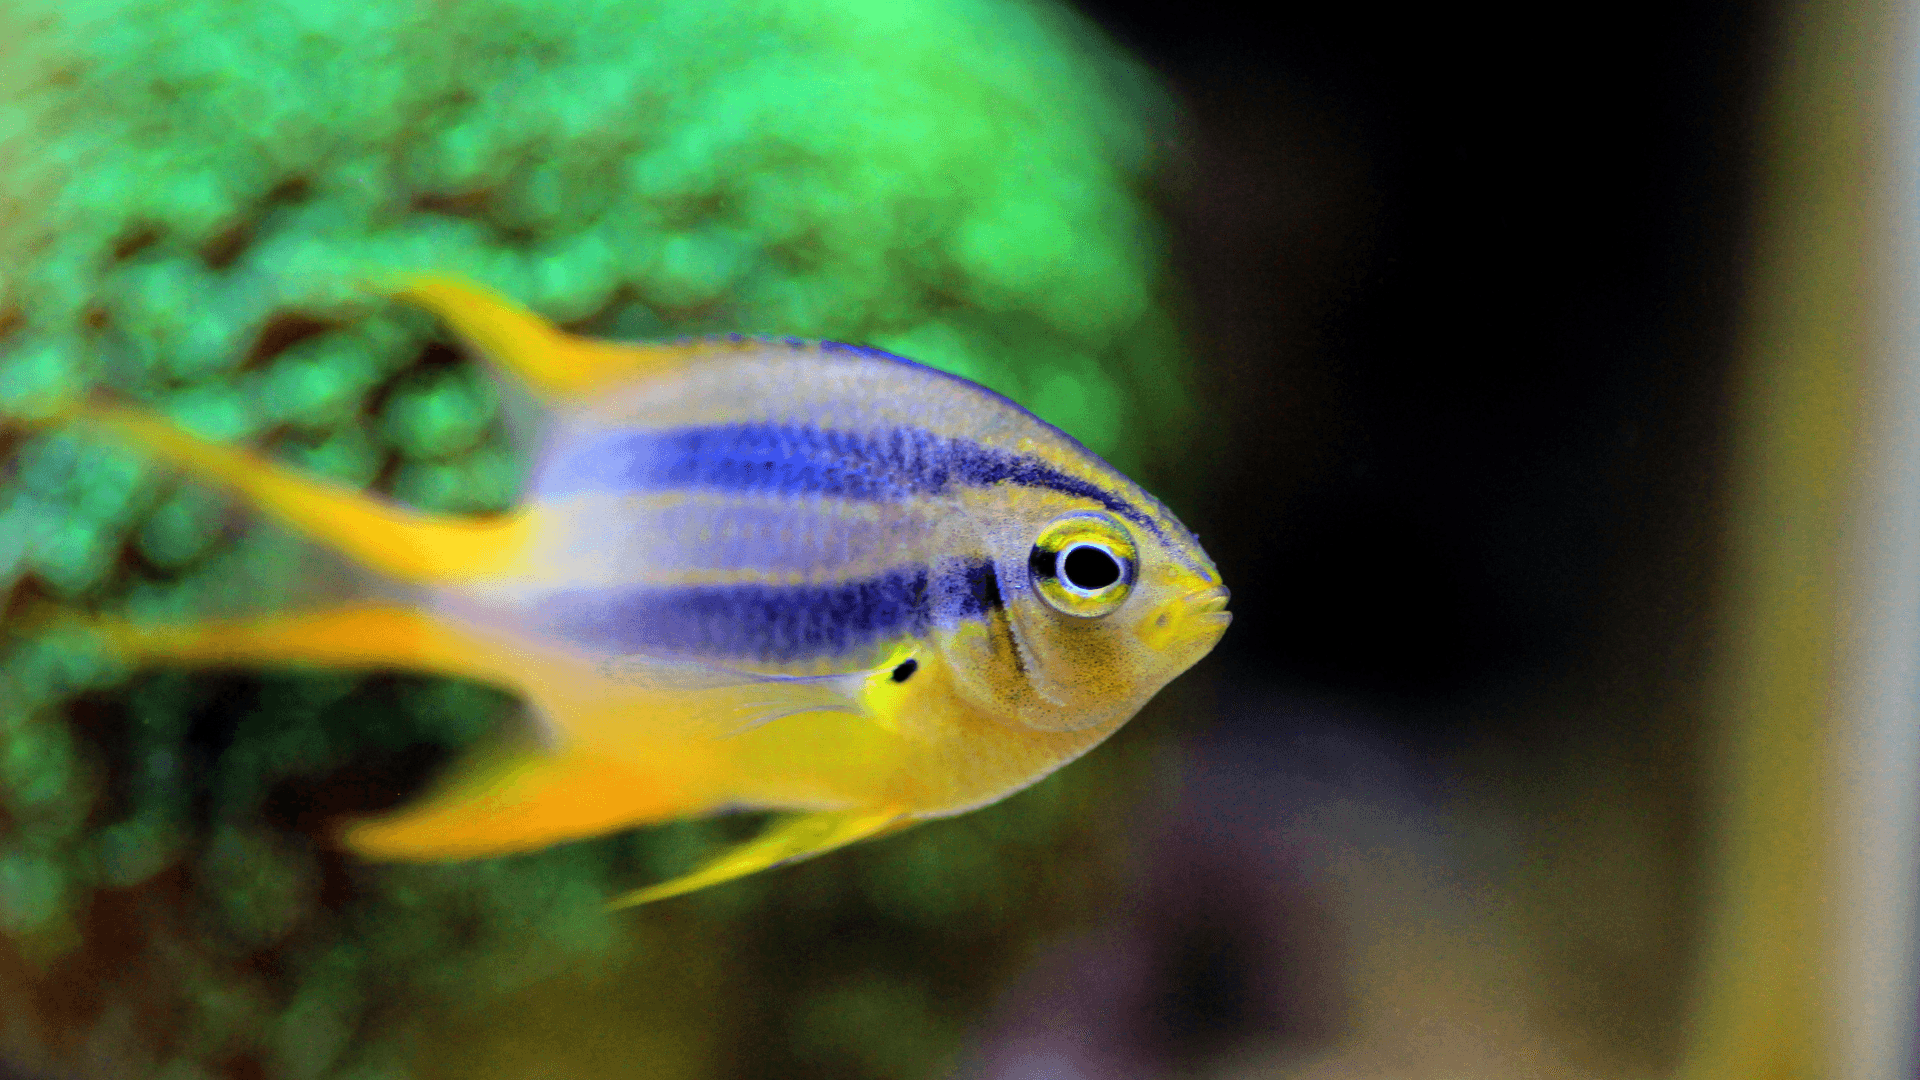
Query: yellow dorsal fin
{"points": [[791, 839], [553, 364]]}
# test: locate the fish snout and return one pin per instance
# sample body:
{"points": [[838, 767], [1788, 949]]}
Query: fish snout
{"points": [[1210, 601], [1207, 610], [1194, 617]]}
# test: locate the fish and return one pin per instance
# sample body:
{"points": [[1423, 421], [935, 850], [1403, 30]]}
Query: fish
{"points": [[746, 574]]}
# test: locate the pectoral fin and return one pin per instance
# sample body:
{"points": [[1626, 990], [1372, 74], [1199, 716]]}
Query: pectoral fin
{"points": [[790, 840], [720, 702]]}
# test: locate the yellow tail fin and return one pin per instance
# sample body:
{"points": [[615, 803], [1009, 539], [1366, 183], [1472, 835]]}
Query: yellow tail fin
{"points": [[406, 545], [348, 637]]}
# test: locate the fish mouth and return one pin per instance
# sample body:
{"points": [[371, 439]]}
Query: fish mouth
{"points": [[1197, 618], [1208, 607]]}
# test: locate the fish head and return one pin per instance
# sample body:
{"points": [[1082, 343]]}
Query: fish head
{"points": [[1101, 610]]}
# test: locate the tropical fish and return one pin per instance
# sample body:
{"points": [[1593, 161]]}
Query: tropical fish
{"points": [[747, 574]]}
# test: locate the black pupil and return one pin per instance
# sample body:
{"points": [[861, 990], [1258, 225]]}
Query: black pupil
{"points": [[1089, 568], [905, 670]]}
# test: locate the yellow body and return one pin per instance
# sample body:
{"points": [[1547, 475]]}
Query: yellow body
{"points": [[929, 517]]}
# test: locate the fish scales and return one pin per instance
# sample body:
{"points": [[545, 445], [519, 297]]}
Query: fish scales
{"points": [[696, 538], [875, 424], [764, 547], [774, 624]]}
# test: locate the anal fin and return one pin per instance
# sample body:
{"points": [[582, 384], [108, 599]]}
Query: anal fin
{"points": [[513, 796], [797, 837]]}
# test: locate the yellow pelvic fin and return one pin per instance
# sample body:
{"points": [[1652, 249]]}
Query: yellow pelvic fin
{"points": [[554, 364], [404, 544], [801, 836], [349, 637], [510, 797]]}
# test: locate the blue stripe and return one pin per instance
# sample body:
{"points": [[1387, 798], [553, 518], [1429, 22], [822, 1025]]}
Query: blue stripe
{"points": [[797, 459], [771, 623], [973, 590]]}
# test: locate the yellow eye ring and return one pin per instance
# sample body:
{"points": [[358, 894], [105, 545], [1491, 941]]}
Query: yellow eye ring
{"points": [[1083, 565]]}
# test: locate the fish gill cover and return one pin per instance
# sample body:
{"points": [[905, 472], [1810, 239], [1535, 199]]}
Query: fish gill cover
{"points": [[189, 192]]}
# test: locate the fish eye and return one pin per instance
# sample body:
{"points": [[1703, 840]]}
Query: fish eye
{"points": [[1083, 565], [1088, 568]]}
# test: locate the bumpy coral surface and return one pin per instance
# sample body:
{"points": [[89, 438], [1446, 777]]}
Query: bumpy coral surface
{"points": [[190, 193]]}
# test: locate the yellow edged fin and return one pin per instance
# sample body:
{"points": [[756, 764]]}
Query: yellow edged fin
{"points": [[510, 796], [403, 544], [801, 836], [350, 637], [554, 365]]}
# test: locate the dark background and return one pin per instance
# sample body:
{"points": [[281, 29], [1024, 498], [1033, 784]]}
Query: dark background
{"points": [[1462, 286]]}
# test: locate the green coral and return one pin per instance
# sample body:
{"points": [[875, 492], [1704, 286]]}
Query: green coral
{"points": [[193, 197]]}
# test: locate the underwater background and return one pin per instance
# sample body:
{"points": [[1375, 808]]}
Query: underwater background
{"points": [[1428, 336]]}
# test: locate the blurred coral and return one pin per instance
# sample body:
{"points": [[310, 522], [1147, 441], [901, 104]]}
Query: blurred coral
{"points": [[1314, 903], [190, 193]]}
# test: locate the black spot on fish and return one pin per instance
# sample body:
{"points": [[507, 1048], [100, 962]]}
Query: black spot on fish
{"points": [[905, 670]]}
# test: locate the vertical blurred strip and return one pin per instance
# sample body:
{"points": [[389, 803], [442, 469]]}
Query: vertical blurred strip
{"points": [[1872, 1013], [1808, 969]]}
